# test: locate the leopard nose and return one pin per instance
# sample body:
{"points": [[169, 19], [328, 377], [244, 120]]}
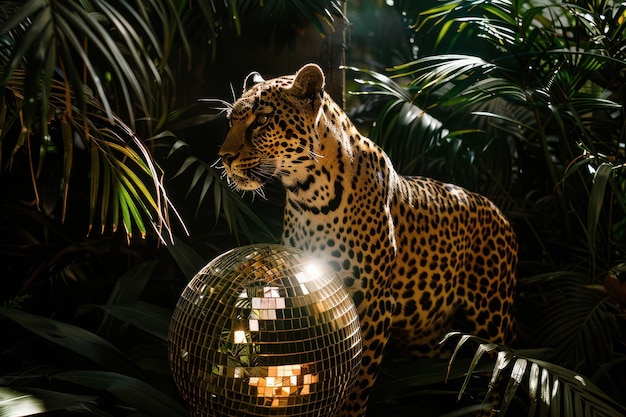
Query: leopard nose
{"points": [[227, 158]]}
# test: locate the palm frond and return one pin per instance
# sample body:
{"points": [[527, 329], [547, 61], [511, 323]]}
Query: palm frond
{"points": [[552, 389], [125, 179], [417, 141], [581, 322], [239, 216], [404, 130], [80, 65], [95, 47]]}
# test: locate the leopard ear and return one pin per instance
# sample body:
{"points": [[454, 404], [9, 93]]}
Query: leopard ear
{"points": [[309, 84], [252, 79]]}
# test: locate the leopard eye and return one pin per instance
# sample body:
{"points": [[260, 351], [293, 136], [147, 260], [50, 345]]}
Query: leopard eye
{"points": [[262, 119]]}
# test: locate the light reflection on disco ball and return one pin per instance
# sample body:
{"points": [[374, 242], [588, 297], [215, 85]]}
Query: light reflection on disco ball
{"points": [[263, 330]]}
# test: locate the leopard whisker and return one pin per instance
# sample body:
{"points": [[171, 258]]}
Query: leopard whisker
{"points": [[260, 192], [315, 156], [266, 170], [227, 107], [218, 164], [232, 91], [260, 175], [230, 182]]}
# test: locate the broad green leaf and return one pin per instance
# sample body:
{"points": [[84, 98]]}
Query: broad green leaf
{"points": [[187, 259], [152, 319], [75, 339], [134, 186], [130, 212], [596, 202], [68, 159], [133, 392], [115, 202], [207, 183], [27, 401], [94, 181], [123, 200], [130, 285]]}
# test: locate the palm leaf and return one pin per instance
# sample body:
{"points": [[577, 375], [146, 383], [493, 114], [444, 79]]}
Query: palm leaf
{"points": [[124, 177], [546, 69], [420, 143], [580, 323], [405, 131], [551, 387], [596, 202], [382, 84], [122, 42], [236, 212]]}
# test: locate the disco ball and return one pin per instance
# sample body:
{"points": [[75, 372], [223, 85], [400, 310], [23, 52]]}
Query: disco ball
{"points": [[264, 330]]}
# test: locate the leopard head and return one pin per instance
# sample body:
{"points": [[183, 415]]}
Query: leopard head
{"points": [[272, 130]]}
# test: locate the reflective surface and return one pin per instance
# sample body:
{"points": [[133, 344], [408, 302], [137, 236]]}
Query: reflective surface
{"points": [[263, 330]]}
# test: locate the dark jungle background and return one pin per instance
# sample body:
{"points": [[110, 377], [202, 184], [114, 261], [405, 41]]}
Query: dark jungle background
{"points": [[110, 203]]}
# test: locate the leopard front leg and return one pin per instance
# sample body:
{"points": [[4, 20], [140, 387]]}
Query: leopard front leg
{"points": [[375, 313]]}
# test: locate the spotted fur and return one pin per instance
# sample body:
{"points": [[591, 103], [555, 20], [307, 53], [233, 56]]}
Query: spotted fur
{"points": [[413, 252]]}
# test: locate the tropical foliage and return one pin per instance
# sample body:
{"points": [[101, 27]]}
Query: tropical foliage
{"points": [[99, 177], [521, 101], [524, 102]]}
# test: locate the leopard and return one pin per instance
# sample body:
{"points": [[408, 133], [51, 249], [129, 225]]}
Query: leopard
{"points": [[413, 252]]}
